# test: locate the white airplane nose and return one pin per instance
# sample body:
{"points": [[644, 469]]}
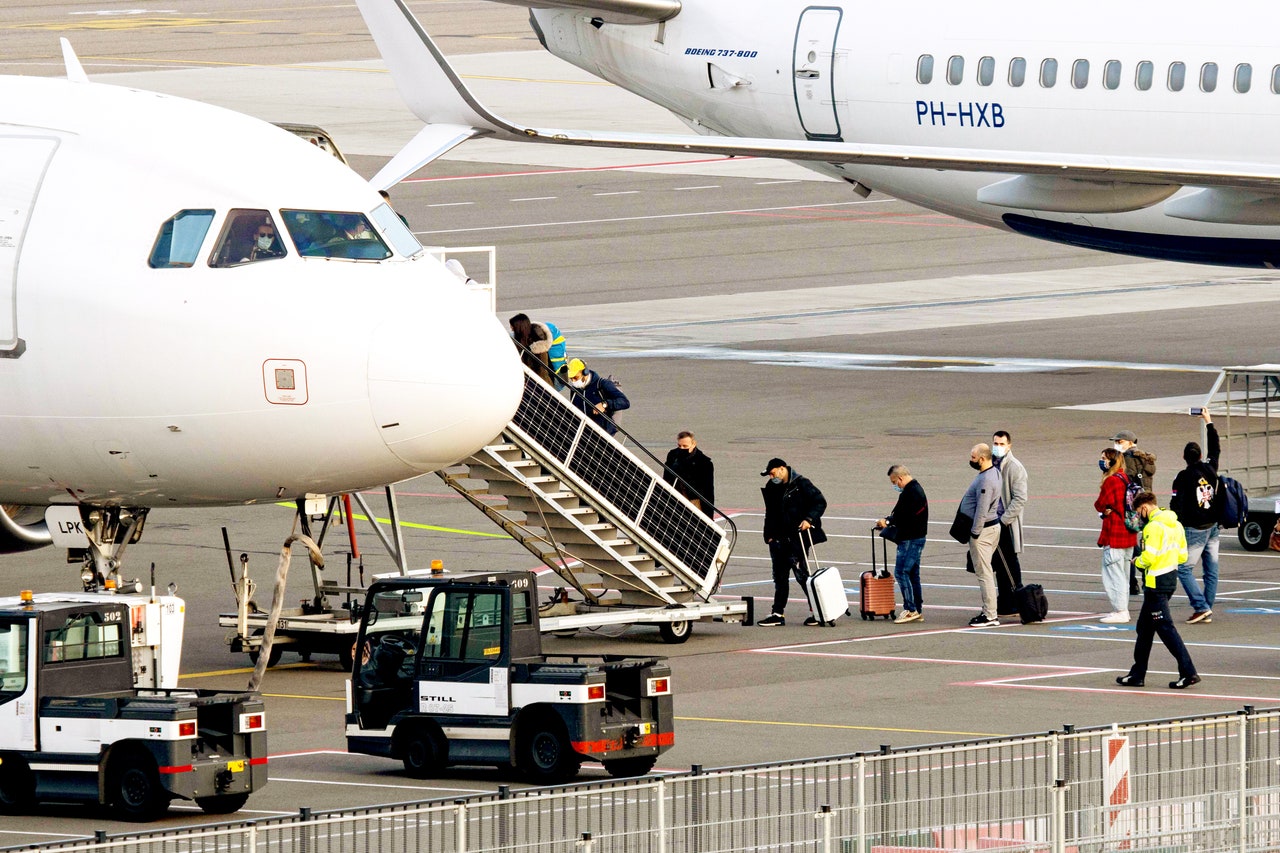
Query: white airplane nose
{"points": [[442, 387]]}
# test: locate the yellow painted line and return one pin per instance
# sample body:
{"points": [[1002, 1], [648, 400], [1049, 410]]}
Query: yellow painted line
{"points": [[216, 673], [413, 525], [130, 22], [296, 696], [836, 726]]}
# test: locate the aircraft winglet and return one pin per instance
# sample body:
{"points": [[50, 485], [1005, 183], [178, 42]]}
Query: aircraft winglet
{"points": [[430, 142], [75, 71]]}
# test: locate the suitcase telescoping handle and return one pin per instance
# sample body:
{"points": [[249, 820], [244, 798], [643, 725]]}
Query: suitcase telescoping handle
{"points": [[883, 571], [817, 564]]}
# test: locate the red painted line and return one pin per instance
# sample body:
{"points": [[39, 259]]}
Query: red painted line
{"points": [[573, 171]]}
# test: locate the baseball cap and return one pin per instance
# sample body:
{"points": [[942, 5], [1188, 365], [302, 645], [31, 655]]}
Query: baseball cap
{"points": [[1125, 435], [576, 367], [775, 462]]}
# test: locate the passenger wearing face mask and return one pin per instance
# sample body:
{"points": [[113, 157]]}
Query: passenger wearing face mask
{"points": [[911, 516], [690, 471], [597, 397], [1139, 466], [1013, 493], [793, 509], [1115, 540], [982, 503]]}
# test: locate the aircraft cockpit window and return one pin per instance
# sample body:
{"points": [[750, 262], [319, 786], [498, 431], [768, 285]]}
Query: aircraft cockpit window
{"points": [[1080, 74], [1146, 75], [1244, 77], [1111, 73], [986, 71], [1275, 80], [1017, 71], [955, 70], [396, 232], [326, 234], [180, 238], [924, 70], [1049, 73], [247, 237], [1209, 77], [1177, 76]]}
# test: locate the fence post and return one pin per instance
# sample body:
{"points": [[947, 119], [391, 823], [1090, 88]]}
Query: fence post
{"points": [[1059, 824], [504, 819], [661, 788], [252, 841], [697, 789], [862, 804], [1243, 809], [584, 845], [461, 825], [1070, 774], [304, 838], [824, 815]]}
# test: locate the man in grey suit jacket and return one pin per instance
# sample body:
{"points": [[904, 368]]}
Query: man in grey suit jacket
{"points": [[1013, 483]]}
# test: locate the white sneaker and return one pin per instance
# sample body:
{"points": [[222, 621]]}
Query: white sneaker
{"points": [[1119, 617]]}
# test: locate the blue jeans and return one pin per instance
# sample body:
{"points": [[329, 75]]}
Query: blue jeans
{"points": [[906, 568], [1201, 543]]}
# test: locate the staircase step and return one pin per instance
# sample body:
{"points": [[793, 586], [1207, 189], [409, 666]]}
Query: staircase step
{"points": [[531, 504]]}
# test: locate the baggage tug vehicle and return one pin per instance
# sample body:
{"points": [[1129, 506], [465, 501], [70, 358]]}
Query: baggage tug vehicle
{"points": [[90, 710], [449, 670]]}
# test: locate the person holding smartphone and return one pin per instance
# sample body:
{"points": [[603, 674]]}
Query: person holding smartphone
{"points": [[1197, 501]]}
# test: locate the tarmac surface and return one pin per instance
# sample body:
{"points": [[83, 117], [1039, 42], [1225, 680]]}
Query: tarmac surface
{"points": [[774, 314]]}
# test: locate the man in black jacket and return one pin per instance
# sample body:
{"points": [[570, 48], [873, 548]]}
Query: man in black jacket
{"points": [[793, 509], [1197, 501], [696, 474], [911, 518]]}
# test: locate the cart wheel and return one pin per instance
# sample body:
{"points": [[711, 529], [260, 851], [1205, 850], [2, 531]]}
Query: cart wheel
{"points": [[544, 753], [17, 785], [675, 633], [1255, 531], [423, 751], [276, 653], [134, 791]]}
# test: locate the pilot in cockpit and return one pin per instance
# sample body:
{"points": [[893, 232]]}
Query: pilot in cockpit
{"points": [[266, 244]]}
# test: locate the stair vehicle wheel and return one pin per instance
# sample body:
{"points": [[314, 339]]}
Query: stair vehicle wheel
{"points": [[133, 787], [422, 752], [1255, 531], [624, 768], [273, 659], [544, 754], [225, 804], [17, 785], [676, 632]]}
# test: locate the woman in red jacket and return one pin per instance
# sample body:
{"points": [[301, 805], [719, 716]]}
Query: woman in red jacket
{"points": [[1117, 541]]}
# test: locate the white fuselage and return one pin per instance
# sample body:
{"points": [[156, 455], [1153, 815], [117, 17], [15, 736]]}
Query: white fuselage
{"points": [[126, 384], [848, 72]]}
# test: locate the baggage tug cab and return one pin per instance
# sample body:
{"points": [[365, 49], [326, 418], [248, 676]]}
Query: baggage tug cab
{"points": [[450, 671]]}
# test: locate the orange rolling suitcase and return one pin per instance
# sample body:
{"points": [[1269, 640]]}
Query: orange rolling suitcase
{"points": [[876, 586]]}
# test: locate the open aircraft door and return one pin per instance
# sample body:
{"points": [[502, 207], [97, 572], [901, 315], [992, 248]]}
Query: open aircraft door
{"points": [[814, 60]]}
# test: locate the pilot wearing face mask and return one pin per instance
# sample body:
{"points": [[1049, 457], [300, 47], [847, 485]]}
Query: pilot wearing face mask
{"points": [[598, 398], [265, 244]]}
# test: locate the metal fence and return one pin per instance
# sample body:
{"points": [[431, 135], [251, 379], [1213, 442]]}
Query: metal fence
{"points": [[1192, 784]]}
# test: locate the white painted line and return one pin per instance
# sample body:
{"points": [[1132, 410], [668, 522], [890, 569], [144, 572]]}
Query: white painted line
{"points": [[774, 183], [449, 204], [707, 187], [377, 785], [536, 198], [620, 192]]}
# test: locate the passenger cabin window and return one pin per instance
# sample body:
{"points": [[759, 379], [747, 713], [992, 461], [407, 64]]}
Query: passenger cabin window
{"points": [[1244, 77], [249, 236], [13, 659], [1275, 80], [326, 234], [1080, 74], [1145, 76], [83, 636], [986, 71], [1209, 77], [1177, 76], [1111, 75], [1048, 73], [924, 69], [1017, 71], [178, 243], [955, 70]]}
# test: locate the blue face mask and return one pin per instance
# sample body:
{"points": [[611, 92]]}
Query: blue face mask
{"points": [[896, 487], [1102, 465]]}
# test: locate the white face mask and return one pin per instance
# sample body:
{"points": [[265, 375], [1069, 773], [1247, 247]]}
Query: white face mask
{"points": [[999, 450], [580, 382], [1119, 448], [264, 241]]}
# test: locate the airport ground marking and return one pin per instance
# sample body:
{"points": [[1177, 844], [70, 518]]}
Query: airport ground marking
{"points": [[347, 784], [833, 726], [1015, 684], [412, 525]]}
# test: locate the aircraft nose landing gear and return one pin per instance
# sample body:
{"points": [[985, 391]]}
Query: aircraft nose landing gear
{"points": [[110, 531]]}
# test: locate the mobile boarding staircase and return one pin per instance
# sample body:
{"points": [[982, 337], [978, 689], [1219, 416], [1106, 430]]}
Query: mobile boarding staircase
{"points": [[606, 523]]}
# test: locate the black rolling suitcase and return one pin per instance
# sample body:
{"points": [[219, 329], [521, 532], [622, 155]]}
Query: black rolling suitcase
{"points": [[1029, 598]]}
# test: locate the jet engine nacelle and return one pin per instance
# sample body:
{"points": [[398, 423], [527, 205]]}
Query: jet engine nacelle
{"points": [[23, 528]]}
